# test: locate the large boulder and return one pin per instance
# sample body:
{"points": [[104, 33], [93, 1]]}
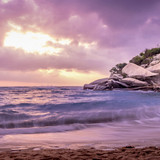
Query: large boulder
{"points": [[111, 84], [117, 84], [99, 87], [135, 71], [116, 76], [88, 86], [155, 68], [99, 81], [97, 84], [154, 62], [132, 82]]}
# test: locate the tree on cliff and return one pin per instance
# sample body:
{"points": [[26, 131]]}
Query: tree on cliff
{"points": [[118, 68]]}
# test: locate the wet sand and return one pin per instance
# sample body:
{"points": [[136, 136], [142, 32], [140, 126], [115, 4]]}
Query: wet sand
{"points": [[124, 153]]}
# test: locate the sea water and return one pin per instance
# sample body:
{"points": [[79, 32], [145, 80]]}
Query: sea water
{"points": [[71, 116]]}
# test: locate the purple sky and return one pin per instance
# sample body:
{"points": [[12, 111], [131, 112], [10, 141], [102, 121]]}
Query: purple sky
{"points": [[101, 33]]}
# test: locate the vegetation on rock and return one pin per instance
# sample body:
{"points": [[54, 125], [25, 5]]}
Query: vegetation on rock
{"points": [[145, 57], [137, 60], [134, 75], [118, 68]]}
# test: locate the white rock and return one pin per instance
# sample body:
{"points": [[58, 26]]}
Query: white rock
{"points": [[134, 82], [156, 57], [135, 71], [156, 80], [154, 62], [155, 68]]}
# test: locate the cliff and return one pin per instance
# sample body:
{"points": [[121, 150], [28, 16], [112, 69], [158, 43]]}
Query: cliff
{"points": [[141, 73]]}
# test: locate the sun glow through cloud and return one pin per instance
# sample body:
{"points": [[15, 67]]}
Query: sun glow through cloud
{"points": [[6, 1], [34, 42], [87, 45], [80, 77], [70, 77]]}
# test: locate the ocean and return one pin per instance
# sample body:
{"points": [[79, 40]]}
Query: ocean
{"points": [[70, 117]]}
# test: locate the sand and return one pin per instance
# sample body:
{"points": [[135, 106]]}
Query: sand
{"points": [[125, 153]]}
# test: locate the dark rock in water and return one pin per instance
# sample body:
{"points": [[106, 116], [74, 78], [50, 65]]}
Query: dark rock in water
{"points": [[100, 87], [109, 85], [88, 86], [99, 84], [118, 84]]}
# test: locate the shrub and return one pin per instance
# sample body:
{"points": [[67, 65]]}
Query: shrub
{"points": [[114, 70], [118, 68], [151, 52], [145, 57], [147, 60], [141, 54], [124, 75], [136, 60]]}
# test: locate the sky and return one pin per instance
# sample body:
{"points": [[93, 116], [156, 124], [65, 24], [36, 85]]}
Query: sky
{"points": [[72, 42]]}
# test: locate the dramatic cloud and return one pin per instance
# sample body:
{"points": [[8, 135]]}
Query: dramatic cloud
{"points": [[89, 36], [73, 58]]}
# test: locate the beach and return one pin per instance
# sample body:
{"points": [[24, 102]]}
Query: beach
{"points": [[124, 153]]}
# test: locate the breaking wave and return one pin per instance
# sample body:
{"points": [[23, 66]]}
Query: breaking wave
{"points": [[58, 109]]}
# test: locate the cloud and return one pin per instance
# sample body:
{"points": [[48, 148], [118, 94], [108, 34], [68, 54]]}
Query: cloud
{"points": [[120, 29], [71, 58], [111, 23]]}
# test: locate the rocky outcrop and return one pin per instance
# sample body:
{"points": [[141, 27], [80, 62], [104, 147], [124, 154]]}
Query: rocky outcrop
{"points": [[132, 77], [88, 86], [100, 87], [97, 84], [132, 82], [116, 76], [155, 60], [135, 71], [105, 84], [155, 68], [141, 73], [99, 81]]}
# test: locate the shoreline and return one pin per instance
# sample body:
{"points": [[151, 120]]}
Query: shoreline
{"points": [[127, 152]]}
